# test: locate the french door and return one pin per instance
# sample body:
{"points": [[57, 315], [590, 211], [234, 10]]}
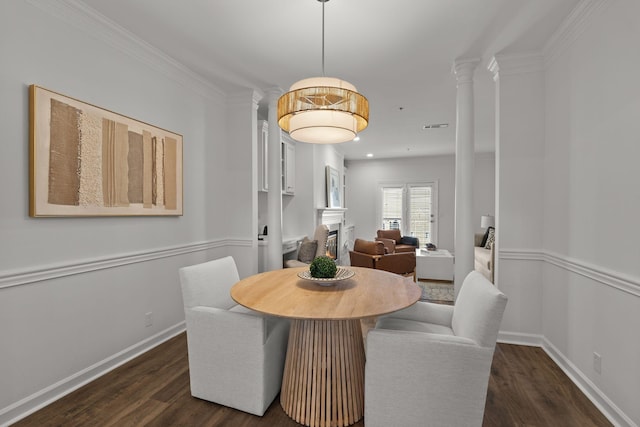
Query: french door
{"points": [[410, 208]]}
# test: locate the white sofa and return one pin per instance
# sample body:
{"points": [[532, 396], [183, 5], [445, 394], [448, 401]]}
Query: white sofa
{"points": [[236, 355], [429, 364], [483, 258]]}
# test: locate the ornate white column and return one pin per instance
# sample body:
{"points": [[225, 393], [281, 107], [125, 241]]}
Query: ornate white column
{"points": [[274, 196], [465, 152]]}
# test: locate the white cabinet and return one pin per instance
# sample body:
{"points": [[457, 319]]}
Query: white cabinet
{"points": [[263, 155], [288, 167]]}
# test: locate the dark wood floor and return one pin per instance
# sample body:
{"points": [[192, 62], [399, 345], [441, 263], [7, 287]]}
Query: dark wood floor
{"points": [[525, 389]]}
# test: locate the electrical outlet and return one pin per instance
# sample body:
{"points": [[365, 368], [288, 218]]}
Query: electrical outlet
{"points": [[148, 319], [597, 363]]}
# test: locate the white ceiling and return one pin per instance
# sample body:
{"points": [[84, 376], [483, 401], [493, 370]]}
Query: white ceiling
{"points": [[398, 53]]}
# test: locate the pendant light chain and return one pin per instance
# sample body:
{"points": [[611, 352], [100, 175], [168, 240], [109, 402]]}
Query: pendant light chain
{"points": [[323, 110], [323, 2]]}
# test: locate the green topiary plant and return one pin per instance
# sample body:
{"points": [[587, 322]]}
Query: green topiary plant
{"points": [[323, 267]]}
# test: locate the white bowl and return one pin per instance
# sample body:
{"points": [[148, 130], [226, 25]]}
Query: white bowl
{"points": [[341, 274]]}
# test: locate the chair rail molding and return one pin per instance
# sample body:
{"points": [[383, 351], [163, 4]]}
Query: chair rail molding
{"points": [[600, 274], [614, 279], [53, 271]]}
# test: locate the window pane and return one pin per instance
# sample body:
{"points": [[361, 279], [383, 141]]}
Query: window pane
{"points": [[392, 208], [420, 213]]}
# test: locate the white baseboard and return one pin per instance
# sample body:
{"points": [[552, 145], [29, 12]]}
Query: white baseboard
{"points": [[614, 414], [46, 396], [597, 397], [532, 340]]}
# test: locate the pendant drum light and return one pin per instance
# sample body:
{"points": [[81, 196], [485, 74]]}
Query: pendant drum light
{"points": [[323, 110]]}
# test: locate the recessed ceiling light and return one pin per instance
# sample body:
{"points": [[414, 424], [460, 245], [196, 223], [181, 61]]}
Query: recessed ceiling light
{"points": [[357, 138], [436, 126], [369, 154]]}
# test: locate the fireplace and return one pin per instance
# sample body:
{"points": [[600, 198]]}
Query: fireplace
{"points": [[334, 219], [332, 244]]}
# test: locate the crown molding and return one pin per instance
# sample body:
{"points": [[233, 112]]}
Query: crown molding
{"points": [[244, 97], [515, 63], [90, 22], [571, 28], [567, 33]]}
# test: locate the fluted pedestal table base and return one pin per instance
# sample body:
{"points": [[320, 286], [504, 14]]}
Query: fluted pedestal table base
{"points": [[323, 381]]}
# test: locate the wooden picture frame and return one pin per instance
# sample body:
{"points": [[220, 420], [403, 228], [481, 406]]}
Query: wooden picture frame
{"points": [[333, 188], [88, 161]]}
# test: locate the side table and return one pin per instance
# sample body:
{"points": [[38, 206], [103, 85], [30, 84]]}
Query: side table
{"points": [[434, 265]]}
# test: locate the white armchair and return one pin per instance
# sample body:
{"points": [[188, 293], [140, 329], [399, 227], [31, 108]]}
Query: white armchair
{"points": [[236, 355], [429, 364]]}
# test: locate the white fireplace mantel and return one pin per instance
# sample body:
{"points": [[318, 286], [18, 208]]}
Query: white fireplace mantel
{"points": [[332, 209], [331, 215]]}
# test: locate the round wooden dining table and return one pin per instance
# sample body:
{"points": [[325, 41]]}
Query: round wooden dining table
{"points": [[323, 380]]}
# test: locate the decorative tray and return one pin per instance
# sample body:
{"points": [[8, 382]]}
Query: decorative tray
{"points": [[341, 274]]}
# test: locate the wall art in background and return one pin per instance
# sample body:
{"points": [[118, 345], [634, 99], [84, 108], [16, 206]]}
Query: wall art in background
{"points": [[333, 188], [88, 161]]}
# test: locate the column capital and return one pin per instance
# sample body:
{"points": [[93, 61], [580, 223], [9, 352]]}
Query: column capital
{"points": [[257, 96], [274, 94], [463, 68], [512, 64]]}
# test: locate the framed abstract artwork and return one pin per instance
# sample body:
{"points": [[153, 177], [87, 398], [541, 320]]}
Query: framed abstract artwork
{"points": [[333, 188], [88, 161]]}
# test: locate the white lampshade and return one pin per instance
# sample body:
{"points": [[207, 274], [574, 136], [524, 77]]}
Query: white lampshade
{"points": [[323, 127], [323, 110], [487, 221]]}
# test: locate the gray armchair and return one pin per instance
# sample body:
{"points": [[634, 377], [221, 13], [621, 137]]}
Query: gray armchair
{"points": [[320, 237], [429, 364], [236, 355]]}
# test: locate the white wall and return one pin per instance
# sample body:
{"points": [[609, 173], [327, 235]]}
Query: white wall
{"points": [[364, 177], [519, 167], [568, 201], [241, 176], [325, 155], [591, 293], [74, 291], [298, 216]]}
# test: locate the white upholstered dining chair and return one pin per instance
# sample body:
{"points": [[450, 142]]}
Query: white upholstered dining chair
{"points": [[429, 364], [236, 355]]}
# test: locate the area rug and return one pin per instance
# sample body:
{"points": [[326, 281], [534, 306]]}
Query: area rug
{"points": [[436, 291]]}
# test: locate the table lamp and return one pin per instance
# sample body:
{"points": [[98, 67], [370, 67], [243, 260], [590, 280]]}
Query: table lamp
{"points": [[487, 221]]}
